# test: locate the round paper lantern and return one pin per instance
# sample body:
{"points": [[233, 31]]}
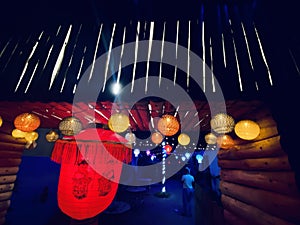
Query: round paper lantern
{"points": [[247, 129], [222, 123], [52, 136], [130, 137], [1, 121], [16, 133], [225, 141], [184, 139], [156, 138], [31, 136], [168, 125], [118, 122], [70, 126], [210, 139], [168, 148], [27, 122]]}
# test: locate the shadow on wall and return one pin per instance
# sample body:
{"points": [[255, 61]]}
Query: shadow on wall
{"points": [[34, 199]]}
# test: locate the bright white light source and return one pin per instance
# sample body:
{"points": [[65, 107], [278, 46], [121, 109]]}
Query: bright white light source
{"points": [[116, 88]]}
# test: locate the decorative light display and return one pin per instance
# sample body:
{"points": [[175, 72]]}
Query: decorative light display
{"points": [[27, 122], [168, 149], [247, 129], [184, 139], [168, 125], [199, 158], [31, 136], [52, 136], [16, 133], [222, 123], [70, 126], [225, 141], [130, 137], [156, 138], [1, 121], [210, 139], [118, 122], [136, 152]]}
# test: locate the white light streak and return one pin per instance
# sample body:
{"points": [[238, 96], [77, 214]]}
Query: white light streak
{"points": [[248, 50], [176, 51], [203, 56], [149, 54], [224, 52], [32, 75], [135, 54], [161, 54], [212, 66], [95, 53], [122, 51]]}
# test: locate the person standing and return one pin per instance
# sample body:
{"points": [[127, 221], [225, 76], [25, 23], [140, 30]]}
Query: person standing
{"points": [[187, 192]]}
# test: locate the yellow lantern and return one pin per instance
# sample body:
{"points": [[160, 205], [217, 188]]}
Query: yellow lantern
{"points": [[225, 141], [16, 133], [31, 136], [52, 136], [222, 123], [27, 122], [247, 129], [118, 122], [210, 139], [168, 125], [184, 139], [156, 138], [70, 126], [1, 121]]}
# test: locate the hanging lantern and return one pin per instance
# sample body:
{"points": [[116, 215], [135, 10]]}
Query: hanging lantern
{"points": [[70, 126], [27, 122], [31, 136], [168, 125], [247, 129], [118, 122], [136, 152], [225, 141], [156, 138], [222, 123], [210, 139], [184, 139], [130, 137], [1, 121], [168, 148], [52, 136], [16, 133]]}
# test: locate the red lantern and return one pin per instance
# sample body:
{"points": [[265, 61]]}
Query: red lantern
{"points": [[168, 149], [91, 165], [27, 122]]}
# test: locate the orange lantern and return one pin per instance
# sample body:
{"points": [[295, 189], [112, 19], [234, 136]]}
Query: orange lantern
{"points": [[247, 129], [225, 141], [118, 122], [168, 125], [27, 122], [52, 136], [222, 123], [210, 139], [156, 138], [70, 126], [184, 139]]}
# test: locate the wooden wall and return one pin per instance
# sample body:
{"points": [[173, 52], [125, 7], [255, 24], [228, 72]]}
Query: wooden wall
{"points": [[257, 183], [11, 151]]}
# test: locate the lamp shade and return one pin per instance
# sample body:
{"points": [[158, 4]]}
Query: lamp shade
{"points": [[70, 126], [156, 138], [184, 139], [225, 141], [27, 122], [168, 125], [118, 122], [210, 139], [222, 123], [247, 129], [52, 136]]}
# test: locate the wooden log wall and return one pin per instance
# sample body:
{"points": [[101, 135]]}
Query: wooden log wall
{"points": [[11, 151], [257, 183]]}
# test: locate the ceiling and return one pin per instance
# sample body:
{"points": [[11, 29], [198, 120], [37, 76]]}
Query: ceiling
{"points": [[49, 52]]}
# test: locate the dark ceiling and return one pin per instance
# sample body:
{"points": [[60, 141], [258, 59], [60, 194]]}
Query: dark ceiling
{"points": [[252, 47]]}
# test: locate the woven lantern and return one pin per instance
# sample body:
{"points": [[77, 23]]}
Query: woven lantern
{"points": [[70, 126], [222, 123], [156, 138], [168, 125], [130, 137], [1, 121], [210, 139], [225, 141], [27, 122], [184, 139], [52, 136], [247, 129], [118, 122]]}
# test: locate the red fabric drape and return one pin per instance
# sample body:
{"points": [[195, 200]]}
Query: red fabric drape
{"points": [[91, 165]]}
